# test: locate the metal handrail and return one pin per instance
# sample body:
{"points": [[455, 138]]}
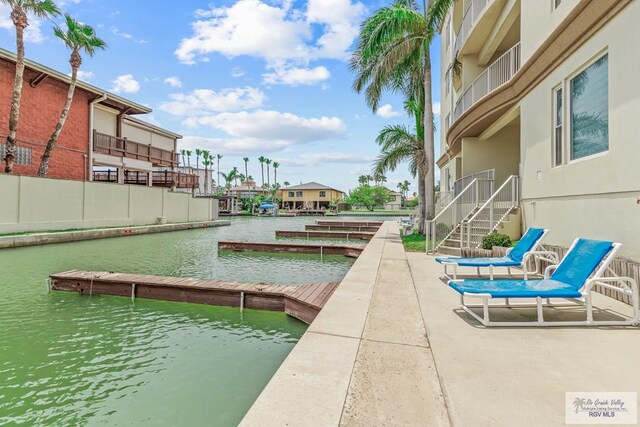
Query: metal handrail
{"points": [[450, 218], [459, 184], [471, 15], [504, 200]]}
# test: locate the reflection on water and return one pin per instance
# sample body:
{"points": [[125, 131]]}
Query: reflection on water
{"points": [[67, 359]]}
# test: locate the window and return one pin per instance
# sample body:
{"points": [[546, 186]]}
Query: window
{"points": [[23, 155], [323, 194], [298, 193], [589, 110], [557, 126], [291, 193]]}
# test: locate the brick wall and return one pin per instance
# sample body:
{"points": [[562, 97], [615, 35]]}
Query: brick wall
{"points": [[39, 112]]}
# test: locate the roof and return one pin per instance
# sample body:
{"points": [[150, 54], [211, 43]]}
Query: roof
{"points": [[311, 186], [153, 127], [112, 99]]}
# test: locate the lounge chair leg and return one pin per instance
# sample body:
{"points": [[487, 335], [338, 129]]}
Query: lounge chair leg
{"points": [[589, 308], [506, 302], [455, 271], [540, 315], [485, 311], [491, 272], [478, 268], [509, 271]]}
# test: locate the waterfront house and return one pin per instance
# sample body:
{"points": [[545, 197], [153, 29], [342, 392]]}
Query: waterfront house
{"points": [[103, 138], [394, 203], [538, 110], [309, 196]]}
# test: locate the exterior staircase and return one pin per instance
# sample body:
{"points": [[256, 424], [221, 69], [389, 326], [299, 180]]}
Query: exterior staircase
{"points": [[474, 213]]}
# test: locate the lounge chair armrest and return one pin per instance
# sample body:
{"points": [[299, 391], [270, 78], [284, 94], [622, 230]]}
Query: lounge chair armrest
{"points": [[549, 256], [631, 286], [547, 271]]}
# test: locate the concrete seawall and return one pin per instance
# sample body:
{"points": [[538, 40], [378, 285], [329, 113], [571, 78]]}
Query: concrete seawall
{"points": [[37, 239], [365, 360]]}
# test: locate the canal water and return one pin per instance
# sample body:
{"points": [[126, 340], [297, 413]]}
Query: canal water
{"points": [[67, 359]]}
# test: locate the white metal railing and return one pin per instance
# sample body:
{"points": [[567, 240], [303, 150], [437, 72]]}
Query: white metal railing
{"points": [[461, 183], [491, 214], [471, 15], [439, 229], [498, 73]]}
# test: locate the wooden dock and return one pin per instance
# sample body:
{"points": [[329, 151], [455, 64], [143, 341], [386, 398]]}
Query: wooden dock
{"points": [[359, 228], [351, 251], [349, 235], [303, 302], [350, 223]]}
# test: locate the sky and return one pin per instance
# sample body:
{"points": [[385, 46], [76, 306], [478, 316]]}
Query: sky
{"points": [[241, 78]]}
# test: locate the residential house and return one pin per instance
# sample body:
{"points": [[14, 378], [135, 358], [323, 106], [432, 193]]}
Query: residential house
{"points": [[310, 195], [396, 203], [103, 139], [539, 116]]}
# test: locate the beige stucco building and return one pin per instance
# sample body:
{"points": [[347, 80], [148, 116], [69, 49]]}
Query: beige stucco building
{"points": [[543, 96], [310, 195]]}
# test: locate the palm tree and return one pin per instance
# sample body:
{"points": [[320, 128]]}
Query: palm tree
{"points": [[286, 183], [246, 166], [182, 153], [189, 152], [276, 165], [400, 144], [362, 179], [219, 156], [236, 175], [242, 178], [262, 159], [206, 162], [369, 179], [198, 154], [77, 37], [268, 162], [19, 11], [393, 53]]}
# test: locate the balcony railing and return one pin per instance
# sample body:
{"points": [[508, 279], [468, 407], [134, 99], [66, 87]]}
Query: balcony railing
{"points": [[123, 147], [471, 15], [159, 178], [497, 74]]}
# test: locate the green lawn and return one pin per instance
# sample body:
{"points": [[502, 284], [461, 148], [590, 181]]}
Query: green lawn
{"points": [[414, 243]]}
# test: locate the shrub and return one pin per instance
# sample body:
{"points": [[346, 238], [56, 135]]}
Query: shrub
{"points": [[496, 239]]}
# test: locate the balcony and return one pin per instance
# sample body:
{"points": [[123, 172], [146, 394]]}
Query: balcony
{"points": [[159, 178], [123, 147], [496, 74], [472, 14]]}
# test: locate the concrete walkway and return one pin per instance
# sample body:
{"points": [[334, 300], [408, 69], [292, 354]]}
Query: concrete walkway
{"points": [[519, 376], [365, 360]]}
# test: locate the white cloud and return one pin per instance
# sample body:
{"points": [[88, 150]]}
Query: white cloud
{"points": [[233, 146], [297, 76], [203, 101], [436, 108], [32, 34], [387, 111], [237, 72], [173, 82], [276, 32], [125, 84], [127, 36], [310, 160], [272, 126], [85, 75]]}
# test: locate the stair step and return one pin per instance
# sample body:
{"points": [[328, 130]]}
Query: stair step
{"points": [[446, 250]]}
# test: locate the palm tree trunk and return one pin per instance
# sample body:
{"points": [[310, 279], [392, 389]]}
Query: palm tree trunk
{"points": [[421, 203], [275, 175], [429, 179], [218, 172], [262, 171], [51, 144], [268, 176], [246, 171], [14, 115]]}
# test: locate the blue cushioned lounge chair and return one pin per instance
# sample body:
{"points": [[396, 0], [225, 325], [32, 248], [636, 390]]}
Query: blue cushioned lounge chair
{"points": [[573, 279], [517, 257]]}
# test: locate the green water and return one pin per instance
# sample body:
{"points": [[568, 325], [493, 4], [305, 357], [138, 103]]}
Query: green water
{"points": [[67, 359]]}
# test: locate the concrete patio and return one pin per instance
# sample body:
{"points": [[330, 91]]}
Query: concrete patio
{"points": [[391, 347]]}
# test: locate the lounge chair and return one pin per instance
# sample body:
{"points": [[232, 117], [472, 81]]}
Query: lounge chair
{"points": [[517, 257], [573, 279]]}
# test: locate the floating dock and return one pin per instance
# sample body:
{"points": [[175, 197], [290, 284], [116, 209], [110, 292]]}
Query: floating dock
{"points": [[303, 302], [349, 235], [316, 227], [350, 223], [351, 251]]}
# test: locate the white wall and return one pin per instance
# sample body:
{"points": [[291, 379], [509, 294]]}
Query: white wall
{"points": [[105, 120], [137, 133], [593, 197], [539, 19], [34, 204]]}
